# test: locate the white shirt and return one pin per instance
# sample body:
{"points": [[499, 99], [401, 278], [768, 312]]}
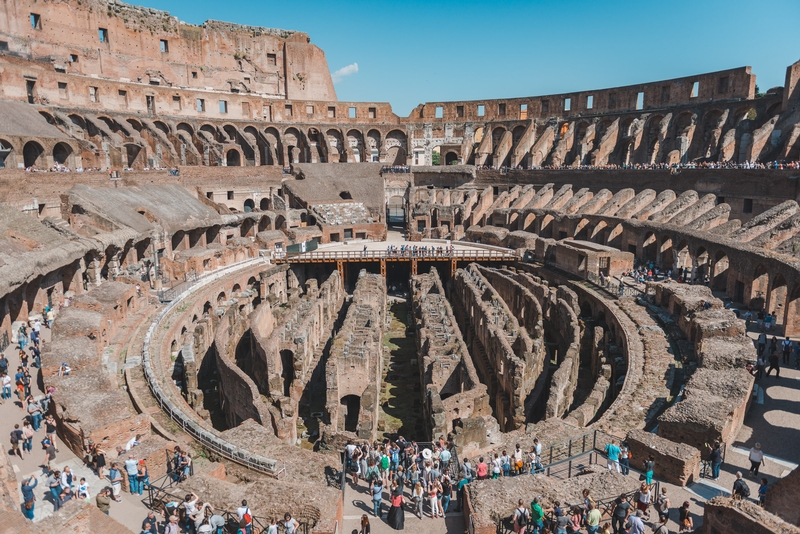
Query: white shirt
{"points": [[241, 511], [6, 381], [756, 455]]}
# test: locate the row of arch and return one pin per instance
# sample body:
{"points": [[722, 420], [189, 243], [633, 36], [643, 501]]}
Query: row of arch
{"points": [[34, 153], [742, 275], [142, 142], [651, 138]]}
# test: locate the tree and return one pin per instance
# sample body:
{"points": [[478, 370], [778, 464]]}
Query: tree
{"points": [[436, 158]]}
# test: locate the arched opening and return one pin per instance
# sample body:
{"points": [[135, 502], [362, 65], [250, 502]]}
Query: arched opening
{"points": [[221, 298], [396, 211], [719, 276], [178, 240], [246, 229], [396, 148], [527, 223], [451, 158], [759, 287], [599, 233], [287, 371], [232, 158], [666, 254], [615, 237], [701, 270], [249, 205], [682, 260], [32, 154], [546, 228], [650, 248], [777, 298], [207, 308], [352, 406], [791, 324], [345, 195], [263, 205], [132, 152], [62, 153], [582, 230], [5, 150]]}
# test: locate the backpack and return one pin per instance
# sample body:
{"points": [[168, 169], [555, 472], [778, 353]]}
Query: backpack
{"points": [[745, 490], [522, 518]]}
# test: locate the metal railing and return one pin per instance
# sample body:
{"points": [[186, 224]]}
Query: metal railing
{"points": [[4, 341], [176, 288], [614, 286], [164, 493], [187, 424], [430, 254]]}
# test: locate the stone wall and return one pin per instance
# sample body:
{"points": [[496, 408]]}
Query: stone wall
{"points": [[717, 394], [676, 463], [722, 515], [782, 498], [501, 347], [355, 363], [452, 389]]}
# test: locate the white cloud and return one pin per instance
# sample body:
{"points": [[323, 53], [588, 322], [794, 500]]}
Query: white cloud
{"points": [[344, 71]]}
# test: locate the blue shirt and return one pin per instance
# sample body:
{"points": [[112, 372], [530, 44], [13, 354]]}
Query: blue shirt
{"points": [[613, 452], [377, 493]]}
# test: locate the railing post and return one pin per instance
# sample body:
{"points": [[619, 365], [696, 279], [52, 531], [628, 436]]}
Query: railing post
{"points": [[583, 445], [569, 450], [569, 469]]}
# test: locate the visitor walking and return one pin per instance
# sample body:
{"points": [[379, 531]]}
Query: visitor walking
{"points": [[756, 459]]}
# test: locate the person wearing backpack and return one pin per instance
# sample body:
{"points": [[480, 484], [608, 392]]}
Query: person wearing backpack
{"points": [[245, 517], [521, 517], [740, 489]]}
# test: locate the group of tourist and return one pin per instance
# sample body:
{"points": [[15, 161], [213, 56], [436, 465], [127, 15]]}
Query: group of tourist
{"points": [[430, 474], [776, 165], [396, 169], [414, 251]]}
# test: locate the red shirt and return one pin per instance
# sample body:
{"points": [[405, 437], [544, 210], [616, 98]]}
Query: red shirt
{"points": [[482, 469]]}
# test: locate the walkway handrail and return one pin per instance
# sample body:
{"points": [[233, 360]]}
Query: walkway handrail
{"points": [[207, 438]]}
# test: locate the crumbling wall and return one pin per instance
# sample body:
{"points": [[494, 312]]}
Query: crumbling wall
{"points": [[675, 463], [723, 514], [717, 394], [355, 362], [452, 389]]}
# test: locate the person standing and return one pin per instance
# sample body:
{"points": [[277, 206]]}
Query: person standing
{"points": [[418, 497], [376, 488], [290, 524], [131, 468], [624, 458], [662, 505], [774, 363], [115, 477], [685, 522], [396, 515], [28, 497], [620, 513], [637, 525], [756, 459], [786, 345], [715, 459], [537, 515], [103, 500], [521, 518], [740, 489], [244, 515], [649, 466], [612, 456], [593, 519]]}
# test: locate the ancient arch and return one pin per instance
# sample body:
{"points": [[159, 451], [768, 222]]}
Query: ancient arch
{"points": [[396, 148], [759, 287], [32, 154], [777, 298], [650, 247], [719, 272], [273, 151], [233, 158], [62, 154], [374, 145], [355, 141]]}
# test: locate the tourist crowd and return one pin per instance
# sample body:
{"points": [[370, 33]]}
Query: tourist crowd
{"points": [[776, 165], [414, 251]]}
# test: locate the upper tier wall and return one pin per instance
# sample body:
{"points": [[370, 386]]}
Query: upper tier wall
{"points": [[731, 84], [117, 41]]}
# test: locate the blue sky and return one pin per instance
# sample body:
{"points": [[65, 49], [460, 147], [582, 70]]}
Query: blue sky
{"points": [[414, 51]]}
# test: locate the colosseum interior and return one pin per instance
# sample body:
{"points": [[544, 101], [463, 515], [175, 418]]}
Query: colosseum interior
{"points": [[227, 259]]}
